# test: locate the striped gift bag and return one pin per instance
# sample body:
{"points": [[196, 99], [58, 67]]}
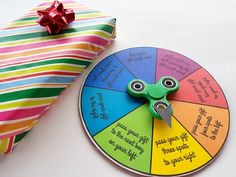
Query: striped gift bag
{"points": [[36, 67]]}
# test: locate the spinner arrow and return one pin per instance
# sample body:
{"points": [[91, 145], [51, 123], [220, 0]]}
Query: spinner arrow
{"points": [[136, 134]]}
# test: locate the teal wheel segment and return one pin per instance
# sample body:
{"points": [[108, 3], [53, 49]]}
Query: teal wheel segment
{"points": [[101, 107], [110, 74], [141, 61]]}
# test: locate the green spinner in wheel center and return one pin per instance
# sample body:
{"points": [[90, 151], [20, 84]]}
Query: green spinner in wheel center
{"points": [[156, 94]]}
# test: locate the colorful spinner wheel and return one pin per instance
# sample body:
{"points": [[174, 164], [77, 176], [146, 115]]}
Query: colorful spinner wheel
{"points": [[123, 128]]}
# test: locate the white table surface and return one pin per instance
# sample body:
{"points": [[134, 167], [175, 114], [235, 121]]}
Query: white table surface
{"points": [[204, 30]]}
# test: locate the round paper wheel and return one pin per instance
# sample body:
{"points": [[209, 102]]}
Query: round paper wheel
{"points": [[123, 129]]}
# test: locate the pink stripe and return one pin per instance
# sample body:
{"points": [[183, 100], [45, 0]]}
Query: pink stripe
{"points": [[35, 24], [77, 9], [64, 2], [69, 53], [91, 39], [49, 3], [21, 113]]}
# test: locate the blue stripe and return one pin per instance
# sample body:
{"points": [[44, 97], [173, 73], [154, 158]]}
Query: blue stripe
{"points": [[39, 80], [41, 29]]}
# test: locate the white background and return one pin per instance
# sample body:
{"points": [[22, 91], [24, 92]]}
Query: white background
{"points": [[204, 30]]}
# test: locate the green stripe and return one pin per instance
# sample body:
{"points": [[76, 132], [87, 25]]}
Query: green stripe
{"points": [[103, 27], [20, 136], [26, 19], [36, 17], [31, 93], [64, 60]]}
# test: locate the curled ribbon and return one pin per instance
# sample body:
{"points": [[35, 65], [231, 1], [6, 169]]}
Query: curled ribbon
{"points": [[55, 18]]}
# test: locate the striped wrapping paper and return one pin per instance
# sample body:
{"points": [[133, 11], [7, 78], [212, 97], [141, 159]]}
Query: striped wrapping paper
{"points": [[36, 67]]}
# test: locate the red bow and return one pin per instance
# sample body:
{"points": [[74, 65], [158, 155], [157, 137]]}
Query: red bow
{"points": [[55, 17]]}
